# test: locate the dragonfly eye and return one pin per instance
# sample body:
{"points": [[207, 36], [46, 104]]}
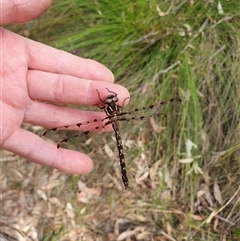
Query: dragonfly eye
{"points": [[111, 98], [115, 99]]}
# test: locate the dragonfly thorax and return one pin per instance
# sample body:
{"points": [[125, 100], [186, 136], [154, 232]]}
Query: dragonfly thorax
{"points": [[111, 107]]}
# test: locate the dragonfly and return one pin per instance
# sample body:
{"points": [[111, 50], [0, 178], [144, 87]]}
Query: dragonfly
{"points": [[113, 117]]}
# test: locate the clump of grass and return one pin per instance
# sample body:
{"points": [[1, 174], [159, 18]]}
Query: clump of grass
{"points": [[161, 50]]}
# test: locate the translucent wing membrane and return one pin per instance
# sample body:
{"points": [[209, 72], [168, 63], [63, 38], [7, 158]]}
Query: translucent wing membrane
{"points": [[94, 125], [104, 123]]}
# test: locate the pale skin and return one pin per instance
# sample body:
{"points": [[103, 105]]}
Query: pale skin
{"points": [[33, 77]]}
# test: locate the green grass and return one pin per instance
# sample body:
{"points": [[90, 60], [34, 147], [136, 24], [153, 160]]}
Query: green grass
{"points": [[159, 50]]}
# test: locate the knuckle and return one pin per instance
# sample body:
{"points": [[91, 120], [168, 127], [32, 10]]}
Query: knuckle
{"points": [[58, 89]]}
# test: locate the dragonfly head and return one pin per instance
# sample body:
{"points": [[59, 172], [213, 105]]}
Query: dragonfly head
{"points": [[111, 98]]}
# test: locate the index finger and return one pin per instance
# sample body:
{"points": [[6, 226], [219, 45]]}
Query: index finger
{"points": [[45, 58]]}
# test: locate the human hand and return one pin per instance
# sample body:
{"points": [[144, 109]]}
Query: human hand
{"points": [[33, 76]]}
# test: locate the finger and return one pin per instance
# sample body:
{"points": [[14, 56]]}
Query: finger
{"points": [[48, 59], [34, 148], [68, 89], [22, 11], [50, 116]]}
